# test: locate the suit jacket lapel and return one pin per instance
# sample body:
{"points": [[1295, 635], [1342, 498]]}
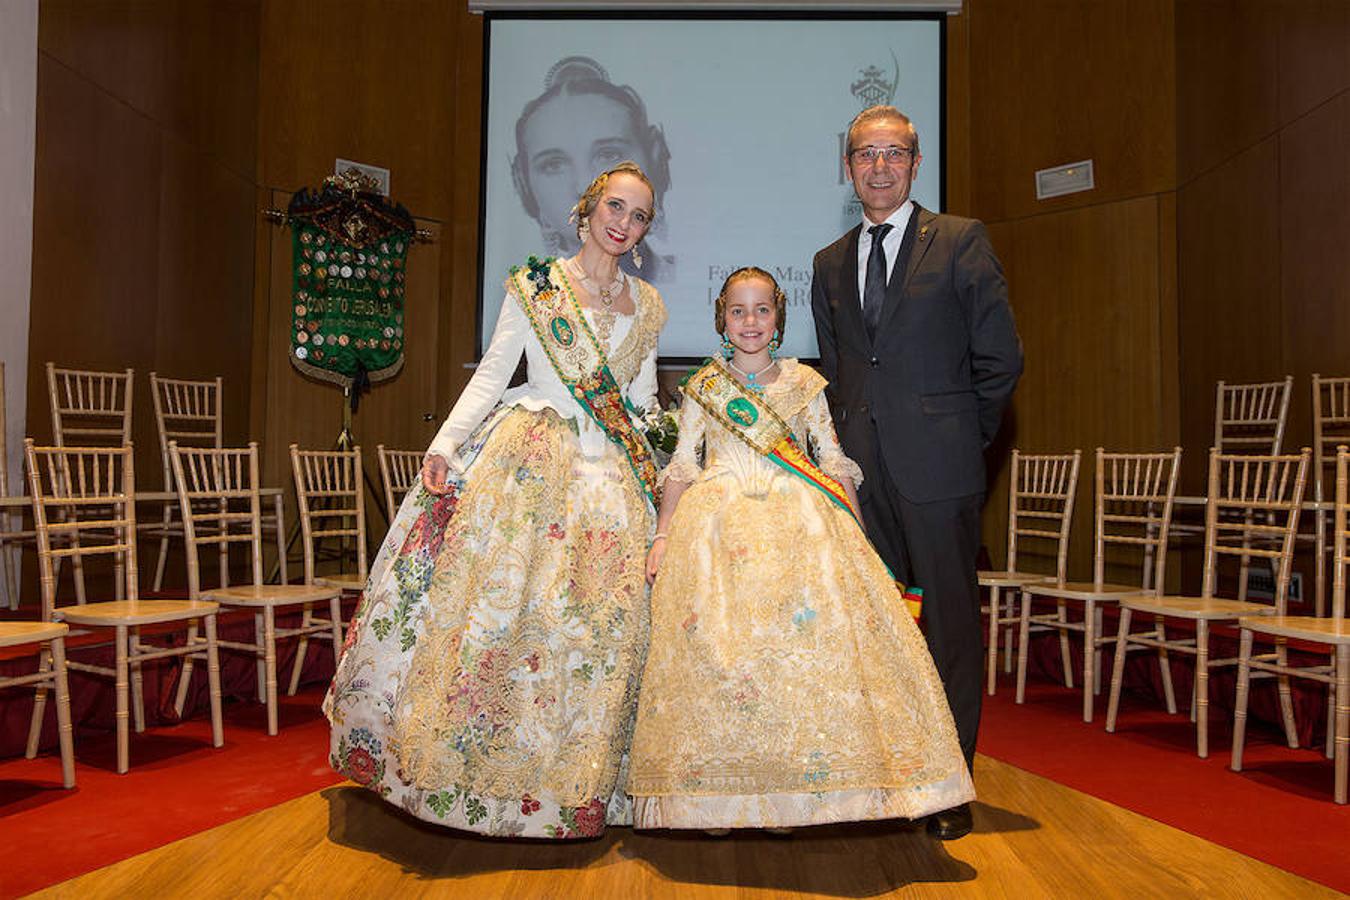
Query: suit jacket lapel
{"points": [[922, 221], [922, 241]]}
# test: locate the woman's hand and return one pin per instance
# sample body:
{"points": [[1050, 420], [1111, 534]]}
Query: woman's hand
{"points": [[654, 557], [434, 472]]}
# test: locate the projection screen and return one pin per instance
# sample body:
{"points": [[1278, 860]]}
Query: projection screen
{"points": [[739, 122]]}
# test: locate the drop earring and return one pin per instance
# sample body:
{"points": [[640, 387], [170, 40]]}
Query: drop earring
{"points": [[637, 256], [584, 228], [774, 345], [728, 349]]}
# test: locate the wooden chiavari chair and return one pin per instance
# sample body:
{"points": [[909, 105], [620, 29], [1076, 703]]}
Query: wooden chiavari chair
{"points": [[1249, 419], [331, 498], [50, 640], [101, 482], [1331, 427], [191, 413], [89, 409], [225, 481], [187, 412], [1041, 492], [1252, 509], [400, 472], [1133, 509], [1332, 633]]}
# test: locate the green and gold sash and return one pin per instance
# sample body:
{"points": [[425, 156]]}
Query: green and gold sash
{"points": [[747, 415], [579, 360]]}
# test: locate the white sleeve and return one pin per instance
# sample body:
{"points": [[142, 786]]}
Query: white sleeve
{"points": [[829, 455], [488, 383], [642, 389]]}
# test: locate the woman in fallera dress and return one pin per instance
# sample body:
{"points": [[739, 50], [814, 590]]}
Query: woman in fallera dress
{"points": [[490, 676], [787, 683]]}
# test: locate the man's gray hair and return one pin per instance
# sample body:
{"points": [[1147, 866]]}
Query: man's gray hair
{"points": [[882, 114]]}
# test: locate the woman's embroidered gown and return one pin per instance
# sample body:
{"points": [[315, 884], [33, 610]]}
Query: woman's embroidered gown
{"points": [[490, 676], [787, 683]]}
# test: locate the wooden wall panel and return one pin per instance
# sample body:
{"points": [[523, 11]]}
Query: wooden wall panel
{"points": [[956, 167], [1055, 82], [458, 344], [118, 45], [1227, 82], [1229, 285], [1314, 55], [190, 67], [370, 81], [204, 315], [1084, 286], [1314, 222], [95, 241]]}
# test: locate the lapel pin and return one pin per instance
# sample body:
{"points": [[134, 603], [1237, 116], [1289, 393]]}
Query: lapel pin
{"points": [[923, 232]]}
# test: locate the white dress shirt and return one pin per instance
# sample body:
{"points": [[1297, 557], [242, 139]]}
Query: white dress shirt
{"points": [[891, 243]]}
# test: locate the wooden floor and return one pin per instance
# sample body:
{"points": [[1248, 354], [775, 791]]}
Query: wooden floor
{"points": [[1033, 838]]}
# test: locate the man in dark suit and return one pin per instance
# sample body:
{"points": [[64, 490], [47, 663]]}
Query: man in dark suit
{"points": [[918, 343]]}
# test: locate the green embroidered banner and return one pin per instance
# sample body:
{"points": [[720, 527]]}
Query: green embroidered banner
{"points": [[349, 250]]}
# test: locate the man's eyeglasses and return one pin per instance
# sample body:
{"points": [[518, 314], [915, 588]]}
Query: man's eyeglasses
{"points": [[891, 155]]}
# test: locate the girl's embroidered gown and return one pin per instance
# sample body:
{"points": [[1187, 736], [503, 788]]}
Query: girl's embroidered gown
{"points": [[786, 684], [490, 675]]}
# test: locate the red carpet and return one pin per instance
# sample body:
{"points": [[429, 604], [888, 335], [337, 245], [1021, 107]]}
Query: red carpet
{"points": [[178, 786], [1278, 809]]}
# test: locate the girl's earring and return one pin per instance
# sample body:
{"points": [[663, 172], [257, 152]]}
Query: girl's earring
{"points": [[637, 256], [728, 349], [774, 345], [584, 228]]}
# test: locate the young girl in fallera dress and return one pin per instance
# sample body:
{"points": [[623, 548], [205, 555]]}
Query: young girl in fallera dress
{"points": [[786, 683]]}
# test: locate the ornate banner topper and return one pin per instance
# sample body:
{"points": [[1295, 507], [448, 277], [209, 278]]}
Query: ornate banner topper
{"points": [[350, 246]]}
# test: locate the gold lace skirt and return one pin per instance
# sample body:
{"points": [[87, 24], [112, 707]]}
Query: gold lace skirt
{"points": [[786, 683]]}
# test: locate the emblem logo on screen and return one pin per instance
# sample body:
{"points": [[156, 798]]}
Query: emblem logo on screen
{"points": [[872, 87]]}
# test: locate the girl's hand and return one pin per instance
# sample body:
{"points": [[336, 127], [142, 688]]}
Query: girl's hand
{"points": [[434, 472], [654, 557]]}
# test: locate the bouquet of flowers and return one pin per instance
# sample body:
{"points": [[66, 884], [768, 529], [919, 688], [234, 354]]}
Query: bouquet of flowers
{"points": [[662, 428]]}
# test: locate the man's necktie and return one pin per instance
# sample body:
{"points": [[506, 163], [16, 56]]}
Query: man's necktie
{"points": [[874, 288]]}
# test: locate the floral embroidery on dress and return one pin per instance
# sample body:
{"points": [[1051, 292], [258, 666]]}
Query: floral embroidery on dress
{"points": [[492, 672]]}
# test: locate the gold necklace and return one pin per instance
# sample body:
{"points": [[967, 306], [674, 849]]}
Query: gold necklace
{"points": [[608, 294]]}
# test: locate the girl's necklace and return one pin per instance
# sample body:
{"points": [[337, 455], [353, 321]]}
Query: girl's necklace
{"points": [[751, 382]]}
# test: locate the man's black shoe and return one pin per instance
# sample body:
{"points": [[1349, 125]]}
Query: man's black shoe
{"points": [[950, 824]]}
